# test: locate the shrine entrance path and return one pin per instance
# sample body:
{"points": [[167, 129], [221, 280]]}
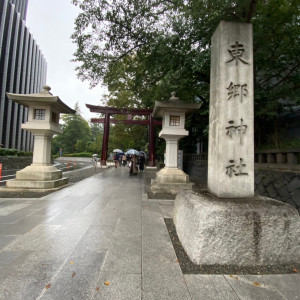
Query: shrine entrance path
{"points": [[101, 238]]}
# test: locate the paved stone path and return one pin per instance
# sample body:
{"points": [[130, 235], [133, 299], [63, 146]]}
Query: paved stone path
{"points": [[103, 229]]}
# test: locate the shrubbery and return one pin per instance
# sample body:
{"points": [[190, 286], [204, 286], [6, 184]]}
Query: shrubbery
{"points": [[14, 152]]}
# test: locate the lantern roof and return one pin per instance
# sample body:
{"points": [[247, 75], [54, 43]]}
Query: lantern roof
{"points": [[43, 97], [174, 105]]}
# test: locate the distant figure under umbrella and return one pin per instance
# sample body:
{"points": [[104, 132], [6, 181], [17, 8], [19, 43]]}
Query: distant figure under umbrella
{"points": [[133, 165], [142, 162], [124, 159]]}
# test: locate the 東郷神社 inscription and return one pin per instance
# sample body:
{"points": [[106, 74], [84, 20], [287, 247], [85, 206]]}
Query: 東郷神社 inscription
{"points": [[231, 161]]}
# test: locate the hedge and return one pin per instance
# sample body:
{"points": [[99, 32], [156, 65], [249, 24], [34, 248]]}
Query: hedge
{"points": [[14, 152]]}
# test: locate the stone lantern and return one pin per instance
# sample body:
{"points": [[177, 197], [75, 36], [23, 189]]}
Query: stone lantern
{"points": [[44, 111], [172, 112]]}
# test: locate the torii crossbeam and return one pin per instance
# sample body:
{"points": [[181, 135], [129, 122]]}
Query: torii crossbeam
{"points": [[107, 111]]}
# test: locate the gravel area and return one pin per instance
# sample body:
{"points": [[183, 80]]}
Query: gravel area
{"points": [[188, 267]]}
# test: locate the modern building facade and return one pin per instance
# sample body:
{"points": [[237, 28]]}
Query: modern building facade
{"points": [[22, 70]]}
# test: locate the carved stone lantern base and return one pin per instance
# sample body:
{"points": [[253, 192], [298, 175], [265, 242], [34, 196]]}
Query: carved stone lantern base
{"points": [[171, 181], [37, 177]]}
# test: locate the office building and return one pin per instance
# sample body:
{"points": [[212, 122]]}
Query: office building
{"points": [[22, 70]]}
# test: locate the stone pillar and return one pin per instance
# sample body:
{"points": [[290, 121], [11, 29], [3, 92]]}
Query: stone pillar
{"points": [[231, 143], [171, 151], [229, 225], [42, 156]]}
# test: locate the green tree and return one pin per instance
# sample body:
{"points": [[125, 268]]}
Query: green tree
{"points": [[76, 134], [149, 48], [95, 145]]}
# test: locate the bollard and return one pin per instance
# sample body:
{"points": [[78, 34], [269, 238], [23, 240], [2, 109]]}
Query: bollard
{"points": [[0, 170], [67, 164]]}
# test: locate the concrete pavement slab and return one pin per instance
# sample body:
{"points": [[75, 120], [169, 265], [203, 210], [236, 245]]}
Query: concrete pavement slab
{"points": [[165, 282], [11, 260], [6, 239], [34, 238], [111, 285], [216, 287], [265, 287], [78, 277], [105, 229]]}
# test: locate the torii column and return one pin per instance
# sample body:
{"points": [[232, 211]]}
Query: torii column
{"points": [[105, 140]]}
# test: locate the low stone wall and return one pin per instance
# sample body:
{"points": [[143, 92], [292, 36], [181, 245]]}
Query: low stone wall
{"points": [[283, 186], [277, 184], [197, 170], [14, 163], [65, 159]]}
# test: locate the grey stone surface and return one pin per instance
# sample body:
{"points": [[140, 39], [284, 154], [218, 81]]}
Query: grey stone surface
{"points": [[273, 287], [261, 188], [11, 260], [13, 163], [32, 239], [293, 184], [121, 286], [77, 280], [6, 239], [271, 191], [296, 196], [284, 193], [268, 179], [280, 182], [231, 149], [164, 282], [245, 232], [69, 263], [204, 287]]}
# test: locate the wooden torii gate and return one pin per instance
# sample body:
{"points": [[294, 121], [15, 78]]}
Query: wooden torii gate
{"points": [[130, 112]]}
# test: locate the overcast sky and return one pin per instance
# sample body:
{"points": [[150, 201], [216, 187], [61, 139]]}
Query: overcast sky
{"points": [[51, 22]]}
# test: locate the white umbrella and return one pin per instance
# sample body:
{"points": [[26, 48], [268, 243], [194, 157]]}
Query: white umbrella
{"points": [[118, 151], [132, 151]]}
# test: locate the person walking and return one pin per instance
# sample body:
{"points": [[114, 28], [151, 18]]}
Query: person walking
{"points": [[133, 166], [116, 160], [142, 162], [124, 158]]}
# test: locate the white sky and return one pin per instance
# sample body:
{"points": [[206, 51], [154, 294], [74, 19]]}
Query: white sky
{"points": [[51, 22]]}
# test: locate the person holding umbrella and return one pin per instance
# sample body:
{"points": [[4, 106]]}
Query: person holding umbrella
{"points": [[142, 161], [133, 165], [117, 156]]}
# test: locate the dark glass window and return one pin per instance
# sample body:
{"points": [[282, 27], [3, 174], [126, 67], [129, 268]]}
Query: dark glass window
{"points": [[39, 114], [174, 120]]}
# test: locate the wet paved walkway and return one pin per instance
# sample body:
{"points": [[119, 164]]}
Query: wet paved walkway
{"points": [[101, 238]]}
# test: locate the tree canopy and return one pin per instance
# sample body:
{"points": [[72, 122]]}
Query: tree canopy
{"points": [[77, 135], [142, 50]]}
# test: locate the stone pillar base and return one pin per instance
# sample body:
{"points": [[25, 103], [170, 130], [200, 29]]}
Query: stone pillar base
{"points": [[242, 232], [39, 173], [36, 185], [171, 180], [172, 175], [37, 177]]}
